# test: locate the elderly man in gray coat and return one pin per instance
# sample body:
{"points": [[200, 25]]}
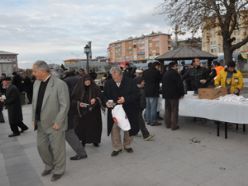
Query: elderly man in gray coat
{"points": [[50, 110]]}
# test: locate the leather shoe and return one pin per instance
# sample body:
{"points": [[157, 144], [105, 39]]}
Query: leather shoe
{"points": [[46, 172], [129, 150], [13, 135], [156, 124], [96, 144], [56, 177], [175, 128], [78, 157], [23, 130], [116, 153]]}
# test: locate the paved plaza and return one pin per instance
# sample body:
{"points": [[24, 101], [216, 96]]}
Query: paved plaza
{"points": [[191, 156]]}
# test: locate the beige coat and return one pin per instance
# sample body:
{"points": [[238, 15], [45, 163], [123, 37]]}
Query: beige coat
{"points": [[55, 104]]}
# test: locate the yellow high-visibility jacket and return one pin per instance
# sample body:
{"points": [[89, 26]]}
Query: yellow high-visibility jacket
{"points": [[237, 82]]}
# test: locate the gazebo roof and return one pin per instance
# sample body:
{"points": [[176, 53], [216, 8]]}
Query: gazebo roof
{"points": [[185, 53]]}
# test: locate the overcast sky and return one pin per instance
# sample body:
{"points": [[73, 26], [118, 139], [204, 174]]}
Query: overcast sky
{"points": [[54, 30]]}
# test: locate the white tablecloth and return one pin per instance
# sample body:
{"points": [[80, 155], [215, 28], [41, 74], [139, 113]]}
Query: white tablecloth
{"points": [[191, 106]]}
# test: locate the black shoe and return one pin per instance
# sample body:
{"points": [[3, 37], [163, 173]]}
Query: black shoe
{"points": [[175, 128], [96, 144], [78, 157], [159, 118], [149, 138], [23, 130], [156, 124], [14, 135], [129, 150], [46, 172], [116, 153], [56, 177]]}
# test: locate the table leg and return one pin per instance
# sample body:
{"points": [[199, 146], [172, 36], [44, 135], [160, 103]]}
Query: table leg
{"points": [[226, 126], [218, 128], [244, 128]]}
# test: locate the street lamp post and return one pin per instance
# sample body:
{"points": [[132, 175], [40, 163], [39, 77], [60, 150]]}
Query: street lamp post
{"points": [[87, 52]]}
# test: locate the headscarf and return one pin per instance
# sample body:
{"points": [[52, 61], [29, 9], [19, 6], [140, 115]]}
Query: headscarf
{"points": [[80, 89]]}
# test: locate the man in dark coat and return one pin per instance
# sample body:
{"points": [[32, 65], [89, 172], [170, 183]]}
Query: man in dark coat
{"points": [[152, 79], [28, 87], [70, 135], [13, 104], [17, 81], [141, 84], [173, 90], [93, 75], [2, 92], [197, 75], [122, 90]]}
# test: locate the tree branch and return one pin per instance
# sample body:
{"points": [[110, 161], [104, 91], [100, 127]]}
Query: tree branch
{"points": [[240, 44]]}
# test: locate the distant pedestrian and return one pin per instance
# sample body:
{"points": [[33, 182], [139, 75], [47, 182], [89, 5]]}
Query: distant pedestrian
{"points": [[3, 90], [2, 93], [152, 79], [28, 87], [17, 81], [93, 75], [145, 133], [81, 72], [13, 105], [173, 90]]}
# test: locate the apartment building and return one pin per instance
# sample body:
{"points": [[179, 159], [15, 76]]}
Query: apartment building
{"points": [[139, 49]]}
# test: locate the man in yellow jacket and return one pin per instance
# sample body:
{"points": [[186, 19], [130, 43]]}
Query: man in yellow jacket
{"points": [[231, 79]]}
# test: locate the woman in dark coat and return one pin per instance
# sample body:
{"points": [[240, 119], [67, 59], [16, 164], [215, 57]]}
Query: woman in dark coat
{"points": [[87, 104]]}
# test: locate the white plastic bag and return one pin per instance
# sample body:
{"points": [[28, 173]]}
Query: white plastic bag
{"points": [[120, 118]]}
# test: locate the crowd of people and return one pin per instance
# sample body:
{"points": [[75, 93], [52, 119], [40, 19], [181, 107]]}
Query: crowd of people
{"points": [[70, 109]]}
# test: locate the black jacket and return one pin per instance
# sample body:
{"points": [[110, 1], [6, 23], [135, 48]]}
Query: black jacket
{"points": [[17, 81], [129, 90], [172, 85], [13, 104], [152, 79], [194, 75], [71, 82]]}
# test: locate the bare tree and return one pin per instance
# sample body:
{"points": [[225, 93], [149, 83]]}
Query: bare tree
{"points": [[228, 15]]}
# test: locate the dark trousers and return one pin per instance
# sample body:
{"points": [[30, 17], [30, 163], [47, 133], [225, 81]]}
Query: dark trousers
{"points": [[1, 117], [171, 113], [30, 96], [74, 142], [142, 125], [14, 127]]}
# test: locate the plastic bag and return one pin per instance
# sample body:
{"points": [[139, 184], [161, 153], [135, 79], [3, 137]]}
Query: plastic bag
{"points": [[120, 118]]}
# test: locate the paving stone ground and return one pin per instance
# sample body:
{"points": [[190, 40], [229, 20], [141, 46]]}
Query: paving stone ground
{"points": [[191, 156]]}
